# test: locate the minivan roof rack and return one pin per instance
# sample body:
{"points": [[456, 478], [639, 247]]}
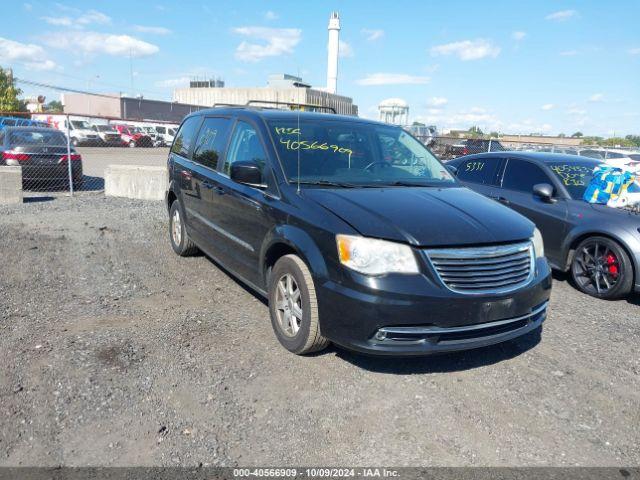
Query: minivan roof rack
{"points": [[291, 104]]}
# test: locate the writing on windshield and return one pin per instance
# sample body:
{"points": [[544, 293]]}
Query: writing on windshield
{"points": [[573, 175]]}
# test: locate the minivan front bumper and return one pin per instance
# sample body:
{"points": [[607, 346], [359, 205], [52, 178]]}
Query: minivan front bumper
{"points": [[418, 316]]}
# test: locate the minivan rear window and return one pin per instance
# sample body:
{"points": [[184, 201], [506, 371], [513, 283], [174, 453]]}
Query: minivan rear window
{"points": [[186, 136]]}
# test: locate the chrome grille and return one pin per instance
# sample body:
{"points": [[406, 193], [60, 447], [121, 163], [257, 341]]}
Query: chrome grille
{"points": [[481, 270]]}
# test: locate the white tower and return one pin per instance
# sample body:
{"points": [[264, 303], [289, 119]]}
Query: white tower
{"points": [[332, 48], [394, 110]]}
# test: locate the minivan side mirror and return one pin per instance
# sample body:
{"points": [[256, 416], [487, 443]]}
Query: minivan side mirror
{"points": [[544, 191], [247, 173], [452, 169]]}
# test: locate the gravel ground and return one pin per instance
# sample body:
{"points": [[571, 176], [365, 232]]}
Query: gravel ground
{"points": [[118, 352]]}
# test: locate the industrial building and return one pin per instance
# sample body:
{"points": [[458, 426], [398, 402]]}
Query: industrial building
{"points": [[281, 89], [125, 108]]}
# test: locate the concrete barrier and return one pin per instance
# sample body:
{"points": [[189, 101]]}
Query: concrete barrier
{"points": [[136, 181], [10, 185]]}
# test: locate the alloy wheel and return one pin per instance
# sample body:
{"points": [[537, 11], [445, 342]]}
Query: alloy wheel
{"points": [[176, 227], [288, 305], [597, 268]]}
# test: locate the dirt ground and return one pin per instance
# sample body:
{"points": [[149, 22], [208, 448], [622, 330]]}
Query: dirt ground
{"points": [[118, 352]]}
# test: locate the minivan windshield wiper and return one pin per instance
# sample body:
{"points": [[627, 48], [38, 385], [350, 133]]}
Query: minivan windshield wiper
{"points": [[325, 183], [405, 183]]}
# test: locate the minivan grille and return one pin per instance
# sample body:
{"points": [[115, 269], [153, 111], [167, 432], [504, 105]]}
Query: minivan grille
{"points": [[478, 270]]}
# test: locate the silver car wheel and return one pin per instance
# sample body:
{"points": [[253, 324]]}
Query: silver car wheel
{"points": [[176, 227], [288, 305]]}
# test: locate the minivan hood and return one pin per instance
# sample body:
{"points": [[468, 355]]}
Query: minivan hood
{"points": [[426, 216]]}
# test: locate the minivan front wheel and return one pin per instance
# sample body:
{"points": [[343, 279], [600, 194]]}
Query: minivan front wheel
{"points": [[180, 241], [601, 268], [294, 307]]}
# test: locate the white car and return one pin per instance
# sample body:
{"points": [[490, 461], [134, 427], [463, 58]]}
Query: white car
{"points": [[166, 132], [80, 131]]}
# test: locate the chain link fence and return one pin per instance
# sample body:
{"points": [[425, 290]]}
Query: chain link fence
{"points": [[68, 154]]}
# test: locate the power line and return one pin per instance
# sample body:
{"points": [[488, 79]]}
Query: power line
{"points": [[62, 89]]}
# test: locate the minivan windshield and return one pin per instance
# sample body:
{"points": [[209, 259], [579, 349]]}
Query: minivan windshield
{"points": [[354, 153]]}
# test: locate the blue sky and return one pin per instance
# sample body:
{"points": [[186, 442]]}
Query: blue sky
{"points": [[515, 67]]}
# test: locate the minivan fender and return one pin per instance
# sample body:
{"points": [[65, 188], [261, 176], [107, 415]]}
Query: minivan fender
{"points": [[297, 240]]}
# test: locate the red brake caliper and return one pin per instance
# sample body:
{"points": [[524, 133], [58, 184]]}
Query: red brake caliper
{"points": [[612, 264]]}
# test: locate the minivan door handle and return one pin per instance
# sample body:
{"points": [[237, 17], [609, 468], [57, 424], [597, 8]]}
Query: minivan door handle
{"points": [[216, 188]]}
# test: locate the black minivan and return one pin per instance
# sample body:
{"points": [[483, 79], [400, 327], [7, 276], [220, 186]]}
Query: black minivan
{"points": [[354, 232]]}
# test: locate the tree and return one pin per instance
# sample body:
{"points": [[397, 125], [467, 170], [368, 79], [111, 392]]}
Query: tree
{"points": [[53, 106], [475, 132], [494, 134], [418, 124], [635, 139], [577, 135], [8, 92], [561, 135], [617, 142]]}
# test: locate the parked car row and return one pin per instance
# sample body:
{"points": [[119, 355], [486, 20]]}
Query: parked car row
{"points": [[90, 131]]}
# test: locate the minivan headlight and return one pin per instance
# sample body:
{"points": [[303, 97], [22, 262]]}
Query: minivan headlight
{"points": [[375, 257], [538, 244]]}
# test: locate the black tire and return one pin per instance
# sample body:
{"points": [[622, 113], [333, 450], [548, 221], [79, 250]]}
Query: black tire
{"points": [[183, 245], [307, 338], [78, 183], [74, 142], [601, 268], [132, 144]]}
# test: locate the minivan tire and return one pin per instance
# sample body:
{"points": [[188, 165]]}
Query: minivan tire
{"points": [[619, 258], [181, 244], [307, 337]]}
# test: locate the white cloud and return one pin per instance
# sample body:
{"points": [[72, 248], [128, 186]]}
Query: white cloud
{"points": [[97, 43], [152, 30], [548, 106], [173, 82], [634, 51], [32, 56], [344, 49], [517, 36], [569, 53], [561, 15], [596, 97], [59, 21], [277, 41], [576, 111], [372, 34], [269, 15], [468, 49], [392, 79], [437, 101], [80, 20]]}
